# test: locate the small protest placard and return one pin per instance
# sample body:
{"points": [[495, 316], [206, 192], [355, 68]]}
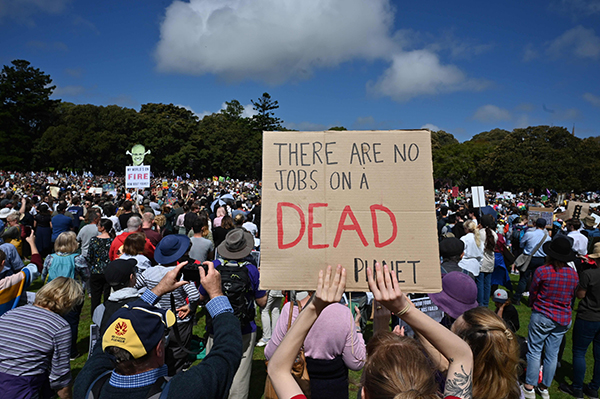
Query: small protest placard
{"points": [[137, 176], [478, 196], [547, 214], [575, 210], [351, 198]]}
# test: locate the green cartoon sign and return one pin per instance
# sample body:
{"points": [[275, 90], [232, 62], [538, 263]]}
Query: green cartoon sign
{"points": [[138, 152]]}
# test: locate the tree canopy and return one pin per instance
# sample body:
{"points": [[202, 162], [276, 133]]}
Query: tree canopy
{"points": [[39, 133]]}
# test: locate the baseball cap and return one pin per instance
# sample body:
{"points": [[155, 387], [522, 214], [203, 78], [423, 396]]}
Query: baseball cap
{"points": [[137, 327], [500, 295], [119, 271], [451, 246]]}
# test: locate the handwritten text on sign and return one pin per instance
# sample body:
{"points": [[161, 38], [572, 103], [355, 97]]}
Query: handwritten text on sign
{"points": [[351, 198], [137, 176]]}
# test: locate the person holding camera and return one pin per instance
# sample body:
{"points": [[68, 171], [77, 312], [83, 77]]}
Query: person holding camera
{"points": [[129, 361], [168, 252]]}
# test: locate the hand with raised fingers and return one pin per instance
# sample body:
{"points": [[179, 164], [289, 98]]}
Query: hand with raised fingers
{"points": [[211, 280], [171, 281], [386, 290], [330, 287]]}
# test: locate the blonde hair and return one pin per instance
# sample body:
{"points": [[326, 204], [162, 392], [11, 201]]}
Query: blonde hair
{"points": [[496, 354], [397, 368], [13, 216], [66, 243], [60, 295], [472, 227], [160, 220]]}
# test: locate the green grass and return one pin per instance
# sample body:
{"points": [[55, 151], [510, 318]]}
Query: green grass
{"points": [[257, 383]]}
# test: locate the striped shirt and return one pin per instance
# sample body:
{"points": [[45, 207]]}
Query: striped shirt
{"points": [[150, 279], [33, 341]]}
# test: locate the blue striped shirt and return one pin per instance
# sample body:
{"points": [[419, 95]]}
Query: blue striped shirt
{"points": [[33, 341]]}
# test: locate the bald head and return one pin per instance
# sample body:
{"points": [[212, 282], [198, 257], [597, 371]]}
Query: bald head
{"points": [[147, 220]]}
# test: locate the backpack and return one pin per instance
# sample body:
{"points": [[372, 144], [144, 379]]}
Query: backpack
{"points": [[62, 266], [158, 390], [236, 284]]}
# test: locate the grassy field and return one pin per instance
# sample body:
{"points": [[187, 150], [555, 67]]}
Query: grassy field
{"points": [[563, 374]]}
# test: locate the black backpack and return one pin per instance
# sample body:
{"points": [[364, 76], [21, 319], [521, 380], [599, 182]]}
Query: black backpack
{"points": [[236, 284]]}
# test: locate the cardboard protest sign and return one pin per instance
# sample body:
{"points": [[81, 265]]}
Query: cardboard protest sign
{"points": [[95, 190], [54, 191], [576, 210], [349, 198], [137, 176], [547, 214]]}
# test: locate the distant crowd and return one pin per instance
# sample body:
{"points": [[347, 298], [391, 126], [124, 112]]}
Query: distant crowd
{"points": [[154, 261]]}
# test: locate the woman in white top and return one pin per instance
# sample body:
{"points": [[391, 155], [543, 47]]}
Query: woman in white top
{"points": [[473, 254], [484, 279]]}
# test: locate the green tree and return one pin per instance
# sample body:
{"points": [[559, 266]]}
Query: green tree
{"points": [[26, 111], [536, 157], [233, 110], [441, 139], [265, 119], [337, 128]]}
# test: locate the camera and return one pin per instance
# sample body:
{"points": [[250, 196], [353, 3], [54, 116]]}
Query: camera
{"points": [[191, 273]]}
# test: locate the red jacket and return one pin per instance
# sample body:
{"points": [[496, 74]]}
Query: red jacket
{"points": [[118, 243]]}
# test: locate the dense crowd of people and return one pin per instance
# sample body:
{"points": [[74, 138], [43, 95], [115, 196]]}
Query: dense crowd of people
{"points": [[154, 261]]}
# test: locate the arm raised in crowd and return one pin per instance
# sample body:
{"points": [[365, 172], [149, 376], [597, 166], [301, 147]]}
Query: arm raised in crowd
{"points": [[459, 381], [330, 289]]}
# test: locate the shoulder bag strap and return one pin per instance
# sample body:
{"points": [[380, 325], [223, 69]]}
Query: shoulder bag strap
{"points": [[539, 243], [290, 316]]}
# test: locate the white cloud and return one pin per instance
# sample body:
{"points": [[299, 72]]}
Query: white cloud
{"points": [[275, 41], [271, 40], [578, 7], [420, 72], [431, 127], [568, 114], [579, 41], [84, 23], [249, 110], [491, 113], [522, 121], [592, 99], [23, 9], [529, 53]]}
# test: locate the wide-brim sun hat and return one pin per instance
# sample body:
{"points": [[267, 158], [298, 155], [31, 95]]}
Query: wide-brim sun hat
{"points": [[238, 244], [596, 253], [4, 212], [459, 294], [560, 249], [171, 248]]}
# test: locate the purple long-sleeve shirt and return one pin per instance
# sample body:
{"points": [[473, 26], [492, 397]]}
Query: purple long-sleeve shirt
{"points": [[333, 334]]}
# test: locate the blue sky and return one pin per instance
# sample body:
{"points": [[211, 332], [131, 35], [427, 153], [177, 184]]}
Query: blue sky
{"points": [[464, 67]]}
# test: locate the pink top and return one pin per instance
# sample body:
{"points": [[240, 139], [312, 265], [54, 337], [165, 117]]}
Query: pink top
{"points": [[333, 334]]}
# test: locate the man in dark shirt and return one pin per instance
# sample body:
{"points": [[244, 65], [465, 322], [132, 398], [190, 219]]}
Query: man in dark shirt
{"points": [[586, 330], [147, 222], [127, 213]]}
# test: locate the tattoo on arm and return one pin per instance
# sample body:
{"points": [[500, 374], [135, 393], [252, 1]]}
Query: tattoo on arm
{"points": [[460, 385]]}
